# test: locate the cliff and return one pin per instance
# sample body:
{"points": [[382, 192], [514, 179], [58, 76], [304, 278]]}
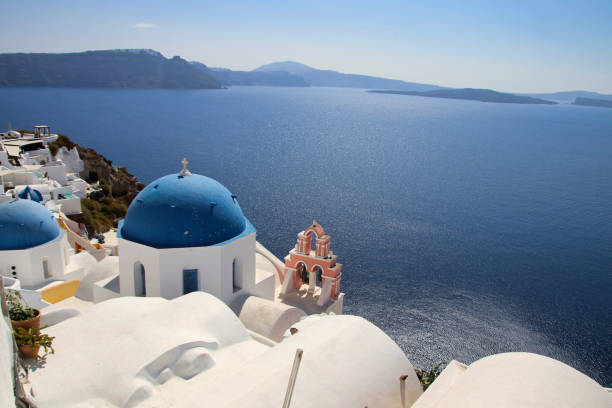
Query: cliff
{"points": [[320, 77], [103, 209], [103, 69], [122, 185], [601, 103]]}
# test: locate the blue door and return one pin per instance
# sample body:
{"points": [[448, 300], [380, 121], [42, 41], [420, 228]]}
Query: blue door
{"points": [[190, 280]]}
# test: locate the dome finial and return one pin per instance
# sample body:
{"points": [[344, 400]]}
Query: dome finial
{"points": [[185, 172]]}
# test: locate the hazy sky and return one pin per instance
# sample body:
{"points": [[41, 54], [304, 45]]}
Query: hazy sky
{"points": [[519, 46]]}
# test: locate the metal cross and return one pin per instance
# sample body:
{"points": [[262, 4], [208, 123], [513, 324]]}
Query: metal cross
{"points": [[185, 172]]}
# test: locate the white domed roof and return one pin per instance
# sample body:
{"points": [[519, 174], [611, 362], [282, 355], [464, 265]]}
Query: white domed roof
{"points": [[513, 380]]}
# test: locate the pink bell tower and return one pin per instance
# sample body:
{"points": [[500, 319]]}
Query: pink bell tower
{"points": [[305, 268]]}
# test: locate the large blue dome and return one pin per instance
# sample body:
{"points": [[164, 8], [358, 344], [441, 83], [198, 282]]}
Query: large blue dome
{"points": [[25, 224], [179, 211]]}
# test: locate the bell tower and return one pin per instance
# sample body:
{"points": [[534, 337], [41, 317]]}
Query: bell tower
{"points": [[315, 271]]}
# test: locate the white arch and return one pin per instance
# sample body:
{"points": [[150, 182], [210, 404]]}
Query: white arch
{"points": [[140, 279]]}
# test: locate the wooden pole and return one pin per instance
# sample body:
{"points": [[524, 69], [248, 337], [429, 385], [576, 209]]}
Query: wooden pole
{"points": [[294, 371]]}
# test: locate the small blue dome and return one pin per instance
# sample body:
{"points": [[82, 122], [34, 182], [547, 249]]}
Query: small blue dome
{"points": [[32, 194], [178, 211], [25, 224]]}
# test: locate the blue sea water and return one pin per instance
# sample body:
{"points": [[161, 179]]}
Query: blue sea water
{"points": [[465, 228]]}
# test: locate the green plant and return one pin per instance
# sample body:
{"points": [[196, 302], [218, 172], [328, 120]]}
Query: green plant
{"points": [[18, 310], [102, 214], [427, 377], [33, 337]]}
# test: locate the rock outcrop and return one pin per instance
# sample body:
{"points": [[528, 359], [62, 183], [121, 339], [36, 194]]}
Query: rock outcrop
{"points": [[103, 207], [120, 183]]}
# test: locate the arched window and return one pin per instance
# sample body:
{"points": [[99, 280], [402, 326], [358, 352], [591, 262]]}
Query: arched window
{"points": [[319, 275], [303, 272], [236, 276], [140, 281], [313, 240], [46, 267]]}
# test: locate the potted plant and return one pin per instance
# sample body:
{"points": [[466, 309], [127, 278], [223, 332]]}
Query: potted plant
{"points": [[21, 314], [427, 377], [30, 340]]}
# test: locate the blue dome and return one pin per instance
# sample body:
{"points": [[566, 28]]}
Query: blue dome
{"points": [[183, 211], [25, 224], [32, 194]]}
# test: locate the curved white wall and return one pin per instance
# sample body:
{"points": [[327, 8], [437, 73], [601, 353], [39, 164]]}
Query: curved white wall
{"points": [[28, 263], [164, 268]]}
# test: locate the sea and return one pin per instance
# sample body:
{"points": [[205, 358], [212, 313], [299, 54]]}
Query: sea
{"points": [[464, 228]]}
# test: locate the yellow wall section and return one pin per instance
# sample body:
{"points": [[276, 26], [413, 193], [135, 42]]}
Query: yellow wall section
{"points": [[61, 291]]}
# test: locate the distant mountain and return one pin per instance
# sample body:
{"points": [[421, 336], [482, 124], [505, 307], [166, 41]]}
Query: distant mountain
{"points": [[227, 77], [570, 95], [482, 95], [602, 103], [317, 77], [289, 66], [103, 69]]}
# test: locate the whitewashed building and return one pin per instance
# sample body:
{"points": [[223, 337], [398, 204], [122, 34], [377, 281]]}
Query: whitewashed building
{"points": [[33, 248], [186, 232]]}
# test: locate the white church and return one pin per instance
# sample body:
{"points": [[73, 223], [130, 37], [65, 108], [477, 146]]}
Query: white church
{"points": [[32, 246], [184, 233]]}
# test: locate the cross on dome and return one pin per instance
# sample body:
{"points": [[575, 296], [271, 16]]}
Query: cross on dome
{"points": [[185, 172]]}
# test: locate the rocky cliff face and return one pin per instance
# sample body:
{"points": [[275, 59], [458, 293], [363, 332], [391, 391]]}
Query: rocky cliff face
{"points": [[121, 184], [103, 69], [103, 208]]}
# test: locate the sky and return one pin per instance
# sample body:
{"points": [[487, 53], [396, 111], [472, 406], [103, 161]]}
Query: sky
{"points": [[512, 46]]}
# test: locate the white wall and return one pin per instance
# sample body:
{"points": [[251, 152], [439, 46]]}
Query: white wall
{"points": [[56, 170], [29, 262], [36, 156], [7, 398], [70, 205], [79, 187], [132, 252], [71, 159], [164, 268], [20, 178], [243, 251], [4, 161]]}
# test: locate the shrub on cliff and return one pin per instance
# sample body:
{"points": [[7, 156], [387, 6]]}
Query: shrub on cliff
{"points": [[101, 216], [427, 377]]}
